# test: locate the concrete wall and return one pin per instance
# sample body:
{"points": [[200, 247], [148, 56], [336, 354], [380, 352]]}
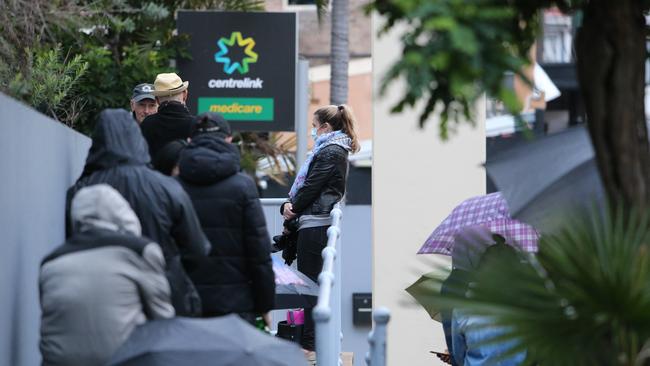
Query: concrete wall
{"points": [[41, 158], [417, 180]]}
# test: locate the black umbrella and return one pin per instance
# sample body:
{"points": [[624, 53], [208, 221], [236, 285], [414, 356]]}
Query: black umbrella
{"points": [[293, 289], [222, 341], [548, 177]]}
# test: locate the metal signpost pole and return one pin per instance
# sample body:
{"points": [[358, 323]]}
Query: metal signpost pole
{"points": [[302, 106]]}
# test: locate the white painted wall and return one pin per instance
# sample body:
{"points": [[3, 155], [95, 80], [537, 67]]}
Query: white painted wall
{"points": [[417, 180]]}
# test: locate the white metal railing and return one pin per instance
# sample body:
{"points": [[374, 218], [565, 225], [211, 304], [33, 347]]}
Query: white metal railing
{"points": [[273, 202], [327, 313], [376, 356]]}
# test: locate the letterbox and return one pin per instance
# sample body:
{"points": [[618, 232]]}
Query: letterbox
{"points": [[362, 309]]}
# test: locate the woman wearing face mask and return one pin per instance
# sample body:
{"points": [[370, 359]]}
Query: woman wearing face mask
{"points": [[319, 185]]}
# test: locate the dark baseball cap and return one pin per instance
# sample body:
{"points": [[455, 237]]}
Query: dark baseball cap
{"points": [[214, 123], [142, 91]]}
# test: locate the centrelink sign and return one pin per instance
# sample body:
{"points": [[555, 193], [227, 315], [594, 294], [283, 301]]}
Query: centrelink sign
{"points": [[243, 65]]}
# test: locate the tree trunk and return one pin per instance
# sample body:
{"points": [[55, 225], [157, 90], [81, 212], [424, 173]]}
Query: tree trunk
{"points": [[611, 54], [340, 53]]}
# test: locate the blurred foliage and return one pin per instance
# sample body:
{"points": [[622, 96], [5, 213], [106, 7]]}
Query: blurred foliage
{"points": [[266, 153], [49, 85], [456, 50], [582, 300]]}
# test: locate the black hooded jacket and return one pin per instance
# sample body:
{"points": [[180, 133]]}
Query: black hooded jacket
{"points": [[119, 157], [237, 277]]}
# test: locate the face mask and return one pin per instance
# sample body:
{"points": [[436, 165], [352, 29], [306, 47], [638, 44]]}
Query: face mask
{"points": [[314, 133]]}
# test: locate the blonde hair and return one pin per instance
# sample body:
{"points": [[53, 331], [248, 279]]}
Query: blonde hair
{"points": [[341, 118]]}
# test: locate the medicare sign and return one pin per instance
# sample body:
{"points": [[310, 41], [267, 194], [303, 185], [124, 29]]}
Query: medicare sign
{"points": [[243, 65]]}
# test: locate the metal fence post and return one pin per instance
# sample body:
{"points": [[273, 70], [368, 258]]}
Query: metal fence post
{"points": [[376, 356], [327, 313], [336, 295]]}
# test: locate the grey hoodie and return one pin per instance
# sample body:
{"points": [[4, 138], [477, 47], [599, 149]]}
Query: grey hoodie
{"points": [[103, 282]]}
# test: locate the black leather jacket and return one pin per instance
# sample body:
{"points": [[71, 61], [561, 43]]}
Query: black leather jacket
{"points": [[325, 182]]}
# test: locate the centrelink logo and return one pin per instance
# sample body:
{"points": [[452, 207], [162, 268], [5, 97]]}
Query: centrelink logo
{"points": [[228, 65]]}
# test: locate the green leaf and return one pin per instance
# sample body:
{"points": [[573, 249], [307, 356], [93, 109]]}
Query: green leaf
{"points": [[464, 40], [465, 47], [440, 24]]}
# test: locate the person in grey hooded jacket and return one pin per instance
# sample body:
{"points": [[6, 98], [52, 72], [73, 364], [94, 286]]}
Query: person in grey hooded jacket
{"points": [[101, 283], [119, 157]]}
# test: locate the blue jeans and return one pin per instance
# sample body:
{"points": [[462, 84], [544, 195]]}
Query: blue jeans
{"points": [[471, 347]]}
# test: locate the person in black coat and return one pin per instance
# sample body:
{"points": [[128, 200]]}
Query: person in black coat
{"points": [[319, 185], [118, 157], [173, 120], [237, 276]]}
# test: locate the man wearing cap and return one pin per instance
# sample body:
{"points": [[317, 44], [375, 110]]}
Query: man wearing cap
{"points": [[143, 102], [173, 120]]}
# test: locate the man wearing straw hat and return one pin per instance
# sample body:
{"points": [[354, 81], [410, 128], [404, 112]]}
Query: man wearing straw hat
{"points": [[173, 120]]}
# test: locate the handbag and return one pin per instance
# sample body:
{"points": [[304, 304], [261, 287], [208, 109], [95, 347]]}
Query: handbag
{"points": [[288, 329], [296, 316]]}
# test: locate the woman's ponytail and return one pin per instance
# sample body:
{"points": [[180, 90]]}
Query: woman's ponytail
{"points": [[340, 118], [348, 122]]}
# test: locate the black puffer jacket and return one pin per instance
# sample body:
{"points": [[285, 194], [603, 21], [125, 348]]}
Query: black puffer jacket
{"points": [[238, 276], [325, 182], [172, 121], [119, 158]]}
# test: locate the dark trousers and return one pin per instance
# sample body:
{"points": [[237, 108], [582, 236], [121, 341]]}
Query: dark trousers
{"points": [[311, 242]]}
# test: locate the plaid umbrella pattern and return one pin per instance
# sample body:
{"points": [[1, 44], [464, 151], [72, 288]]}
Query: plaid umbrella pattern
{"points": [[293, 289], [490, 211], [285, 275]]}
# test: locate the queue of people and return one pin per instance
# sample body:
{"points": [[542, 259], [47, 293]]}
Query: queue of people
{"points": [[163, 223]]}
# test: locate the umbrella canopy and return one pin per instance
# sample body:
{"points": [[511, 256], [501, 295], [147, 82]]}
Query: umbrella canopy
{"points": [[226, 340], [422, 289], [548, 176], [490, 211], [293, 289], [471, 244]]}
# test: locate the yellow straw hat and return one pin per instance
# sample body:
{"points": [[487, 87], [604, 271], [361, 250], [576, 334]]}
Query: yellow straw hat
{"points": [[168, 84]]}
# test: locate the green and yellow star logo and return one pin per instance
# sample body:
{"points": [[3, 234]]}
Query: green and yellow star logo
{"points": [[228, 65]]}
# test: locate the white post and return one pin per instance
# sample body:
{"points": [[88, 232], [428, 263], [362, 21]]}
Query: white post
{"points": [[376, 356], [302, 107], [337, 335], [327, 313]]}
